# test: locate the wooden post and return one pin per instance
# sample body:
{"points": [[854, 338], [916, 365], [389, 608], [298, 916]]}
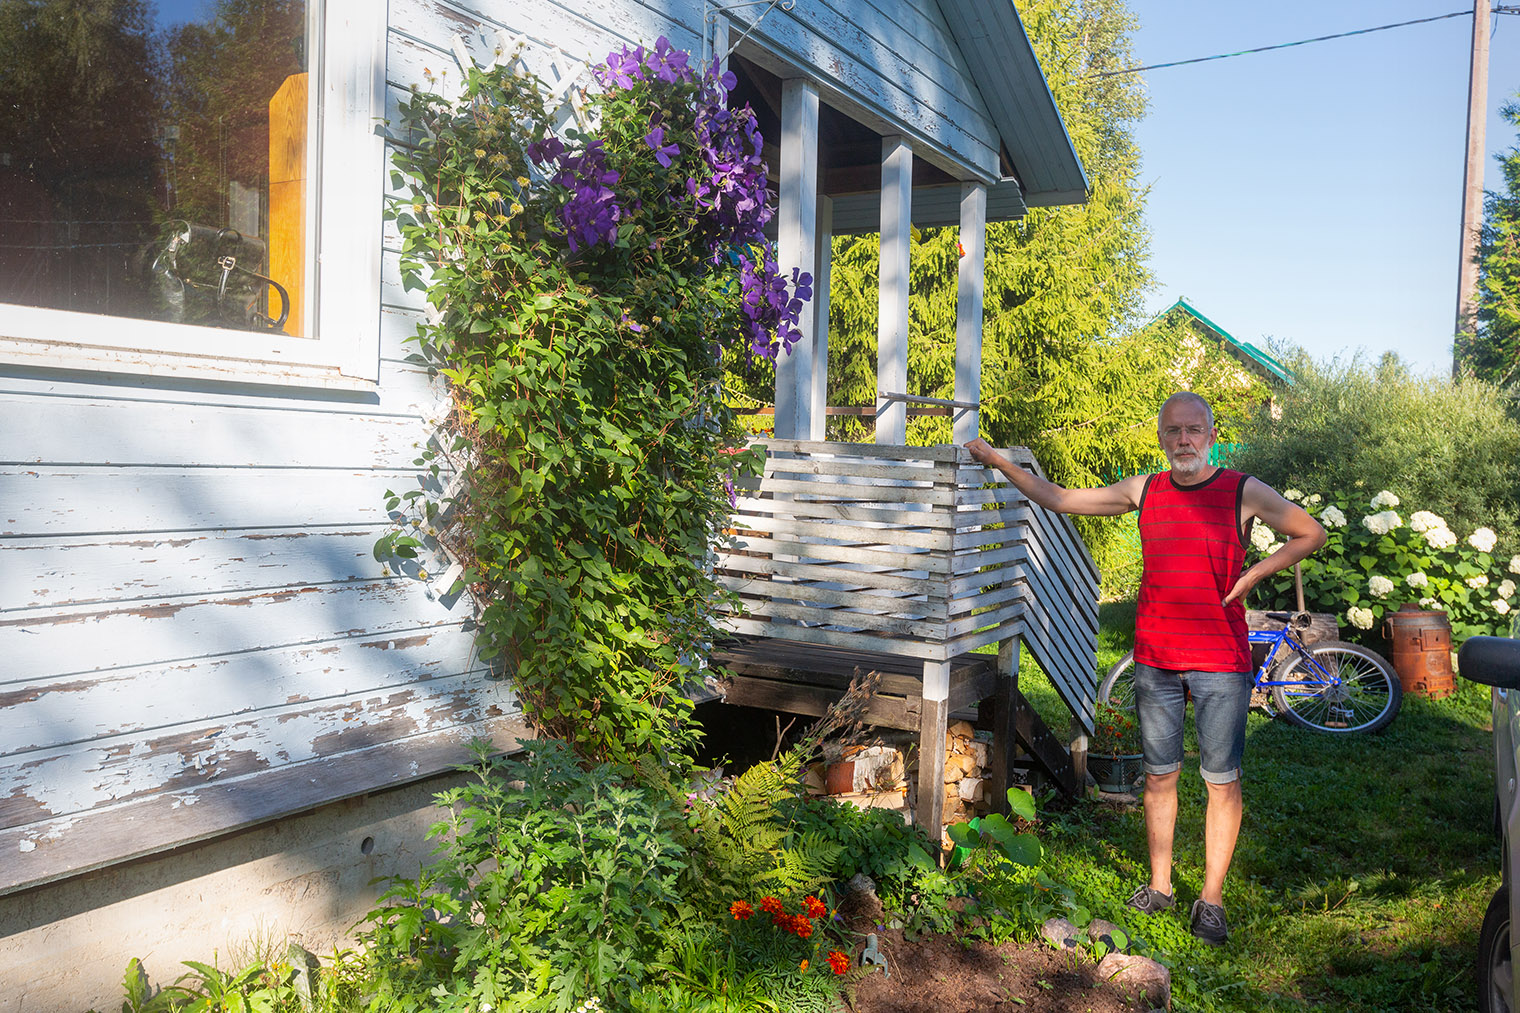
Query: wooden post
{"points": [[968, 310], [1079, 753], [892, 291], [825, 261], [931, 748], [1472, 186], [797, 241], [286, 241], [1005, 742]]}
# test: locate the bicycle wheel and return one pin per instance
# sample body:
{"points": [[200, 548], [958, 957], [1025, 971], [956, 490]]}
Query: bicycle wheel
{"points": [[1364, 697], [1118, 687]]}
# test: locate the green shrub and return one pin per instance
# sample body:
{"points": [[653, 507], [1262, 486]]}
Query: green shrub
{"points": [[1452, 447], [1383, 552]]}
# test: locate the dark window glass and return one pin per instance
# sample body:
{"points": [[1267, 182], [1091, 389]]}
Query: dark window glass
{"points": [[153, 159]]}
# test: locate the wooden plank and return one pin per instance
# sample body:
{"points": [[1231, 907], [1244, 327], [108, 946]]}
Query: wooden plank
{"points": [[839, 488], [872, 641], [983, 537], [898, 471], [930, 811], [63, 501], [984, 638], [960, 627], [935, 455], [815, 701], [91, 638], [844, 510], [972, 687], [77, 778], [987, 496], [57, 572], [782, 659], [49, 850], [970, 565], [898, 535], [978, 519], [915, 608], [1012, 568], [906, 559], [888, 580], [52, 711], [999, 596], [921, 629]]}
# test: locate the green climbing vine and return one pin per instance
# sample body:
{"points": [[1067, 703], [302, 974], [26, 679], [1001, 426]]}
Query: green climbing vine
{"points": [[585, 288]]}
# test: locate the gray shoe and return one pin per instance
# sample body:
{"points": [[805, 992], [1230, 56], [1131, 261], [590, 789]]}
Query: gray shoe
{"points": [[1149, 900], [1209, 924]]}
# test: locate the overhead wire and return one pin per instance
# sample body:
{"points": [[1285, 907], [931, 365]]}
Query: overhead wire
{"points": [[1300, 42]]}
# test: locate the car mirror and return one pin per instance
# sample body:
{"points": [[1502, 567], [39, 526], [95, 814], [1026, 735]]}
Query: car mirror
{"points": [[1493, 661]]}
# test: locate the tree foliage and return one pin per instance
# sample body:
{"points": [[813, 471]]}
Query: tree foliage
{"points": [[1494, 352], [1450, 446]]}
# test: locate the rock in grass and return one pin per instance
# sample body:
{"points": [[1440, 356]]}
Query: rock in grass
{"points": [[1138, 975], [1060, 933], [1109, 934]]}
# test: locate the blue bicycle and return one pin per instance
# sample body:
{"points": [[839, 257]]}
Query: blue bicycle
{"points": [[1330, 686]]}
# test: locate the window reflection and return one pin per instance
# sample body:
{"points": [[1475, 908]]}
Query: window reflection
{"points": [[153, 159]]}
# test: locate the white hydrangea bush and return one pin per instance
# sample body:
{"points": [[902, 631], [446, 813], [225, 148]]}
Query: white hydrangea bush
{"points": [[1370, 568]]}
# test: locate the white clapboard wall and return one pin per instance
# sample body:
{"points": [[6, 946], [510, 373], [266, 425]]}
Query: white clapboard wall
{"points": [[911, 551]]}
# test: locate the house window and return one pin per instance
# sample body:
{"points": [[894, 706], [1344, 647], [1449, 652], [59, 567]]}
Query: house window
{"points": [[159, 167]]}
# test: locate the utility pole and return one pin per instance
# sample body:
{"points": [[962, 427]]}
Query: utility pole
{"points": [[1472, 185]]}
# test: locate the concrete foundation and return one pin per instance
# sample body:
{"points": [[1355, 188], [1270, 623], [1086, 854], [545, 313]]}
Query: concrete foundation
{"points": [[64, 946]]}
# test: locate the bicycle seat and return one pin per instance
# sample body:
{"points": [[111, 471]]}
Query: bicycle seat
{"points": [[1279, 617]]}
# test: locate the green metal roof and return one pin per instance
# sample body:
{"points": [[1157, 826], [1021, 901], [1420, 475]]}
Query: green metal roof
{"points": [[1243, 350]]}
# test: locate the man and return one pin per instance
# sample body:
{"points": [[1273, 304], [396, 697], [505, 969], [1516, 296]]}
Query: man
{"points": [[1190, 628]]}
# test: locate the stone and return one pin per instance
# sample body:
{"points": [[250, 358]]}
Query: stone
{"points": [[1060, 933], [860, 898], [1140, 976]]}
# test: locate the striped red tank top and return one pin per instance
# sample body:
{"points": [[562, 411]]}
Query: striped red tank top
{"points": [[1194, 551]]}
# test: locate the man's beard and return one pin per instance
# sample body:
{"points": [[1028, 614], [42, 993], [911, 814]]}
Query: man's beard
{"points": [[1187, 467]]}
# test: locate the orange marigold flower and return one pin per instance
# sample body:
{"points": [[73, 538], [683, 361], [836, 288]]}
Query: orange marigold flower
{"points": [[740, 909], [802, 927], [771, 905], [839, 962], [803, 966], [814, 907]]}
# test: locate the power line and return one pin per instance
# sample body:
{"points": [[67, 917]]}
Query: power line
{"points": [[1301, 42]]}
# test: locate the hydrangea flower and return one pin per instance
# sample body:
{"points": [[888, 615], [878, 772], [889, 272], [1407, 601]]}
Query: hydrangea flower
{"points": [[1381, 523], [1359, 617], [1514, 564], [1506, 589], [1384, 499], [1483, 539], [1313, 500], [1440, 538], [1424, 520], [1481, 580], [1500, 606], [1426, 603], [1261, 537], [1417, 579], [1380, 586], [1292, 494], [1331, 517]]}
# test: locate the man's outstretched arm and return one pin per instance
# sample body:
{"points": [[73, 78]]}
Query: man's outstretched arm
{"points": [[1303, 534], [1107, 501]]}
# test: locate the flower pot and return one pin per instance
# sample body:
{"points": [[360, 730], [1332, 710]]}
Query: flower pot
{"points": [[1117, 774]]}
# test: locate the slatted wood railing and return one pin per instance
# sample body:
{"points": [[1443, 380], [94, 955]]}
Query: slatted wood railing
{"points": [[913, 551]]}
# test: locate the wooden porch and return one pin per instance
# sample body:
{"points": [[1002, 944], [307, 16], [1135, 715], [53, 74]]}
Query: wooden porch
{"points": [[909, 562]]}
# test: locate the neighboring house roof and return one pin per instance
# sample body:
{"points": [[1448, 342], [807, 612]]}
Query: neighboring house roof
{"points": [[1252, 357]]}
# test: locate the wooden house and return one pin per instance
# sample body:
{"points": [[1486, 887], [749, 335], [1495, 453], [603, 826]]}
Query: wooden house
{"points": [[220, 716]]}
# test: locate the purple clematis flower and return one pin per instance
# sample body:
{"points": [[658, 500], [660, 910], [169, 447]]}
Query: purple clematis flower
{"points": [[662, 152]]}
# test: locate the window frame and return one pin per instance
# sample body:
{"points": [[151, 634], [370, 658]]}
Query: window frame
{"points": [[344, 252]]}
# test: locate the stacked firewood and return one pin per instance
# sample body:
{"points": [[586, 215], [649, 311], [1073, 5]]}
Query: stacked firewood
{"points": [[968, 791]]}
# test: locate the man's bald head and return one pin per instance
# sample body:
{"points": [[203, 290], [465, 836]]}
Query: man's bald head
{"points": [[1184, 397]]}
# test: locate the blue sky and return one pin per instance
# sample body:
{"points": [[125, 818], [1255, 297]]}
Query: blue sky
{"points": [[1314, 194]]}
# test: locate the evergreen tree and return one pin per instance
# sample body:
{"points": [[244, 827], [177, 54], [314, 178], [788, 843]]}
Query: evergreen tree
{"points": [[1493, 354]]}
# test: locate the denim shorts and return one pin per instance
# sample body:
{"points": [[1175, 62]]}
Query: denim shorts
{"points": [[1221, 701]]}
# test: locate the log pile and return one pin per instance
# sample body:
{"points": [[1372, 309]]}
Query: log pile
{"points": [[882, 776]]}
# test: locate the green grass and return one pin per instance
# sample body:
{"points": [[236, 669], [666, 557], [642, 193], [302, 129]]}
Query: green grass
{"points": [[1362, 872]]}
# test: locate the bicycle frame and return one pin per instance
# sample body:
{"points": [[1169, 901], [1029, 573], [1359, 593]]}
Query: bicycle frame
{"points": [[1275, 639]]}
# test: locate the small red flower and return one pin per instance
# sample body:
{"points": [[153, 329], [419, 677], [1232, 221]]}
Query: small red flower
{"points": [[801, 926], [771, 905], [740, 909], [839, 962], [782, 922], [803, 967], [813, 907]]}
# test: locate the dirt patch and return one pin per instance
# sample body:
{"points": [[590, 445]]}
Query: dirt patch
{"points": [[937, 974]]}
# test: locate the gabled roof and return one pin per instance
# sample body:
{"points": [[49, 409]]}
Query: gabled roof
{"points": [[1253, 357], [1003, 65]]}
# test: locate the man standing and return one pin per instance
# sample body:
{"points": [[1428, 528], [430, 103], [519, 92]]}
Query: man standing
{"points": [[1190, 627]]}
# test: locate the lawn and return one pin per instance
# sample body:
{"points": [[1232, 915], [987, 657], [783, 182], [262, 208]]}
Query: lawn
{"points": [[1363, 868]]}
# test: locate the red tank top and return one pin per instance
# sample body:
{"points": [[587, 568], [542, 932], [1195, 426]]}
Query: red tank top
{"points": [[1194, 551]]}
